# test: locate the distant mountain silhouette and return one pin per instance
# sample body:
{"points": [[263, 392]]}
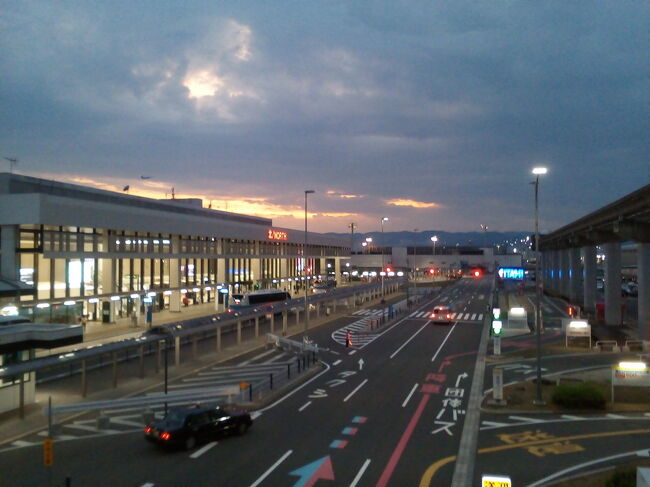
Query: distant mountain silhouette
{"points": [[445, 239]]}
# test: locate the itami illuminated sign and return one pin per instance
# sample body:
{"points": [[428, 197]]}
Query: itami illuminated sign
{"points": [[511, 273], [277, 235]]}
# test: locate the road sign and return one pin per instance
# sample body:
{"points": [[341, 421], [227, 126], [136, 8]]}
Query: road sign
{"points": [[495, 481], [48, 452]]}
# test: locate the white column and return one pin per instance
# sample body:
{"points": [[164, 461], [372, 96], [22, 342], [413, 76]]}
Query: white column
{"points": [[643, 265], [589, 278], [612, 283], [337, 270], [175, 276], [9, 263]]}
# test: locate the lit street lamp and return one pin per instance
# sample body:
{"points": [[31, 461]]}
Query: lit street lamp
{"points": [[304, 265], [434, 239], [538, 311], [383, 270]]}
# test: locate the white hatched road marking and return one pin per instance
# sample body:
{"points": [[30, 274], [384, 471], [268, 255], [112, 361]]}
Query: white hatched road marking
{"points": [[202, 450], [526, 420], [45, 434], [126, 422], [21, 443], [92, 429]]}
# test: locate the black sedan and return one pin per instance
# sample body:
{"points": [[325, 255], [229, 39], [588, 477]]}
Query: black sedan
{"points": [[188, 426]]}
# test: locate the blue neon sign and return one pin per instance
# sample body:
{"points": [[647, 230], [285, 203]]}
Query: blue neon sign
{"points": [[511, 273]]}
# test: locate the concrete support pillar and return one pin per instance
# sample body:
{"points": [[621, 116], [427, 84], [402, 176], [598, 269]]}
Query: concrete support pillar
{"points": [[175, 277], [575, 276], [238, 332], [256, 266], [108, 284], [285, 322], [613, 283], [589, 278], [9, 263], [337, 270], [257, 326], [177, 351], [643, 265]]}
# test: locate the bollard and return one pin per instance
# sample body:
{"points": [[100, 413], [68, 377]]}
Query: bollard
{"points": [[250, 392], [271, 380], [299, 366], [288, 371]]}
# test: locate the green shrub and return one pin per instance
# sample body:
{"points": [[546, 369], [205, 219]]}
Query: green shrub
{"points": [[579, 396], [622, 478]]}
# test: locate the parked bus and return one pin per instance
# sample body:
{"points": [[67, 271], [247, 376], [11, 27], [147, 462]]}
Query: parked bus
{"points": [[257, 298]]}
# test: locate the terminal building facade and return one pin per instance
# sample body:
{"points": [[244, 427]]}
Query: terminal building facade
{"points": [[101, 255]]}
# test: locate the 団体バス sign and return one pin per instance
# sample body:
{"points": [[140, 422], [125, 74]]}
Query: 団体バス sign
{"points": [[495, 481]]}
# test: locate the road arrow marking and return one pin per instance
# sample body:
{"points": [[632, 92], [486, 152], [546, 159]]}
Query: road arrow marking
{"points": [[461, 377], [310, 473], [361, 362]]}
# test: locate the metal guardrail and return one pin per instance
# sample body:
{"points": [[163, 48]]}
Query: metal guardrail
{"points": [[280, 341], [188, 396], [187, 329], [606, 346]]}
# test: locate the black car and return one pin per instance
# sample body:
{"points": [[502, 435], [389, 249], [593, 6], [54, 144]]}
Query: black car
{"points": [[188, 426]]}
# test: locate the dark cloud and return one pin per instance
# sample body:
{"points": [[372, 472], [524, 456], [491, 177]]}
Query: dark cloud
{"points": [[449, 102]]}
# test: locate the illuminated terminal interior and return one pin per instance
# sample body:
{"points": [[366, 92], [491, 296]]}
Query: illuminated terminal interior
{"points": [[75, 251]]}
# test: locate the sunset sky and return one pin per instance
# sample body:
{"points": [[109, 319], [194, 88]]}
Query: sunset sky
{"points": [[430, 113]]}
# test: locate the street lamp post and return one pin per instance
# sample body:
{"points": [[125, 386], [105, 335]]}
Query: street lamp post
{"points": [[538, 311], [434, 239], [383, 270], [304, 265]]}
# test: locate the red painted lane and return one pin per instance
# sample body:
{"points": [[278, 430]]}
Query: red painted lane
{"points": [[399, 449]]}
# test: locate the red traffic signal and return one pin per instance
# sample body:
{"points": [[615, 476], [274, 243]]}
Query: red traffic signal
{"points": [[388, 269]]}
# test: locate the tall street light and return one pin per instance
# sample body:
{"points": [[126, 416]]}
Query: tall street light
{"points": [[352, 226], [434, 239], [538, 310], [304, 265], [383, 270]]}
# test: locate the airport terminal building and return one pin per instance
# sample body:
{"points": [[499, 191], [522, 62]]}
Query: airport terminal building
{"points": [[69, 251]]}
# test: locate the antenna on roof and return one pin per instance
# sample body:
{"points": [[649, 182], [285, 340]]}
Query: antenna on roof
{"points": [[12, 162], [173, 195]]}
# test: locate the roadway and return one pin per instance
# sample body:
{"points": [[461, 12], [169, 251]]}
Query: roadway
{"points": [[388, 411]]}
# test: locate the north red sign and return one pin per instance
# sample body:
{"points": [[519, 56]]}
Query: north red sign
{"points": [[277, 235]]}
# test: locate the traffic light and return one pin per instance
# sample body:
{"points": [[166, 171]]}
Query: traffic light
{"points": [[497, 328], [432, 271], [388, 269]]}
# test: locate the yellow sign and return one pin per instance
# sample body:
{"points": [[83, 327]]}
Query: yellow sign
{"points": [[48, 452], [243, 385], [495, 481]]}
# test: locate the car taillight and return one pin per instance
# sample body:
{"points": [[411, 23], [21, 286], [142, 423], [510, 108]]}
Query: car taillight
{"points": [[165, 436], [448, 316], [148, 429]]}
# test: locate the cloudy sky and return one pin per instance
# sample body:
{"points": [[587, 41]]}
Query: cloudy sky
{"points": [[429, 113]]}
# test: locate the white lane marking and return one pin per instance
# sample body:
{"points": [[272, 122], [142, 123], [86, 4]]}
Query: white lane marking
{"points": [[201, 451], [283, 355], [304, 384], [412, 337], [58, 437], [304, 406], [352, 352], [22, 443], [255, 415], [337, 362], [615, 416], [410, 394], [148, 484], [570, 416], [526, 420], [474, 317], [271, 468], [443, 342], [493, 424], [361, 472], [355, 390], [580, 466], [261, 355]]}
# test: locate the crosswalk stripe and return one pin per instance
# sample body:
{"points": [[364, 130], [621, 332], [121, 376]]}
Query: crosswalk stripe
{"points": [[480, 317], [466, 317], [473, 317]]}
